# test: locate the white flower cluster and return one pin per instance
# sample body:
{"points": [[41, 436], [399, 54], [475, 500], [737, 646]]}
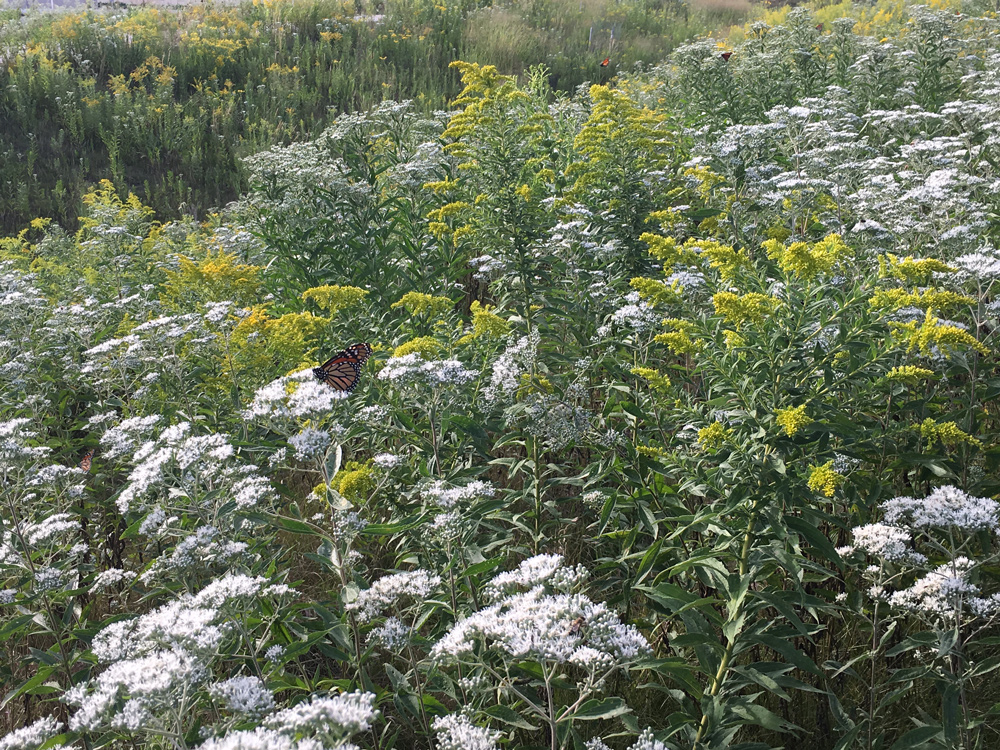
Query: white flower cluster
{"points": [[561, 628], [310, 443], [111, 577], [945, 590], [543, 627], [517, 359], [412, 369], [940, 593], [945, 506], [245, 695], [47, 530], [457, 732], [298, 396], [388, 590], [323, 722], [197, 551], [177, 464], [636, 315], [387, 461], [885, 542], [124, 436], [32, 736], [535, 571], [645, 741], [557, 422], [393, 635], [14, 448], [448, 497], [155, 659]]}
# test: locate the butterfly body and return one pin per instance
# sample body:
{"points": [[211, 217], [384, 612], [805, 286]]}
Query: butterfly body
{"points": [[342, 370]]}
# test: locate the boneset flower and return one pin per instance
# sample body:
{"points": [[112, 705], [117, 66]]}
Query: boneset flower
{"points": [[386, 591]]}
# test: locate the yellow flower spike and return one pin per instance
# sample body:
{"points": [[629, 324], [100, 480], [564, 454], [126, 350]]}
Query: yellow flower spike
{"points": [[913, 270], [486, 323], [651, 451], [356, 481], [713, 436], [932, 334], [733, 339], [418, 303], [534, 384], [655, 291], [793, 419], [723, 258], [426, 346], [334, 297], [947, 433], [656, 379], [823, 480], [933, 300], [737, 310], [448, 210], [909, 374], [678, 340], [807, 260]]}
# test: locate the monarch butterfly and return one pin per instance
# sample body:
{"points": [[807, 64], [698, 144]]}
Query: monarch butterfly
{"points": [[88, 459], [726, 55], [819, 27], [605, 62], [342, 370]]}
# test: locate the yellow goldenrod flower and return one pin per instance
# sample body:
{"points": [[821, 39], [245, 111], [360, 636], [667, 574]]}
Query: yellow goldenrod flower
{"points": [[737, 310], [733, 339], [807, 260], [824, 480], [713, 436], [912, 270], [334, 297], [946, 433], [679, 340], [656, 379], [910, 374], [655, 291], [486, 323], [792, 419], [356, 481], [425, 346], [418, 303], [932, 334]]}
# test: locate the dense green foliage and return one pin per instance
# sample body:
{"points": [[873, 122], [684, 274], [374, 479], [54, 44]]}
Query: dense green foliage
{"points": [[166, 102], [679, 431]]}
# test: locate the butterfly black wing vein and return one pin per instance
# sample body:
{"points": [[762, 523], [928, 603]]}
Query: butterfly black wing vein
{"points": [[342, 370]]}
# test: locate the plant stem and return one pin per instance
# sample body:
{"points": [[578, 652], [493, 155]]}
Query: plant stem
{"points": [[720, 674]]}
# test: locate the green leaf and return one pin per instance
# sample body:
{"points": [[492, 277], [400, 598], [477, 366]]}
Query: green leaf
{"points": [[646, 564], [483, 567], [602, 709], [916, 737], [816, 538], [509, 716]]}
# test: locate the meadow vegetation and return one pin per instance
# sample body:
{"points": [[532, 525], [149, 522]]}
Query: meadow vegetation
{"points": [[165, 102], [679, 431]]}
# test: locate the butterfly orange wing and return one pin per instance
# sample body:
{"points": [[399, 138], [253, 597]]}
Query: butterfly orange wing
{"points": [[342, 370], [605, 62], [88, 459]]}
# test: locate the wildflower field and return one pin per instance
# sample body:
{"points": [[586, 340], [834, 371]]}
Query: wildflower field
{"points": [[666, 417]]}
